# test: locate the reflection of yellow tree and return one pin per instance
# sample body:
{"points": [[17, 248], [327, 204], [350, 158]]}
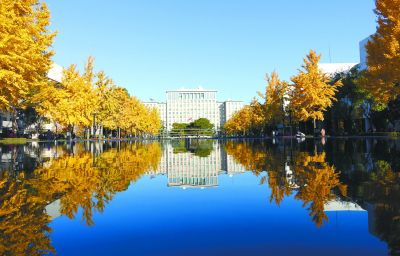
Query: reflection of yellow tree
{"points": [[317, 180], [248, 156], [280, 187], [23, 223], [89, 183], [310, 175], [78, 180], [258, 159]]}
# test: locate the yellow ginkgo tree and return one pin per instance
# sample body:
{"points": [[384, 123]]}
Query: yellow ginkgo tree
{"points": [[311, 92], [382, 77], [275, 96], [25, 51]]}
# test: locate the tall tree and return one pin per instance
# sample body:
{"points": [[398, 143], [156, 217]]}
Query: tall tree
{"points": [[106, 105], [275, 97], [25, 51], [382, 77], [72, 103], [311, 93]]}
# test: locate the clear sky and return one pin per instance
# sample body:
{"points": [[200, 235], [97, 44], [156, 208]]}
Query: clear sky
{"points": [[229, 45]]}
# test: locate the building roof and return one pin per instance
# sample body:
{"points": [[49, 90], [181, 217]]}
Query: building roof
{"points": [[198, 89], [333, 68]]}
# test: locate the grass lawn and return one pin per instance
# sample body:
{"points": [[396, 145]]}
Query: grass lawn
{"points": [[13, 141]]}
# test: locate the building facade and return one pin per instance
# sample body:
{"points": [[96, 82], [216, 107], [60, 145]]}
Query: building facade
{"points": [[188, 105], [363, 53]]}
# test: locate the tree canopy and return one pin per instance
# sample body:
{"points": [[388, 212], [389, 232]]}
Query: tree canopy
{"points": [[25, 51], [382, 77]]}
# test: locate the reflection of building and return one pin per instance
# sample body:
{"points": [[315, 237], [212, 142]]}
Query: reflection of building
{"points": [[189, 170], [338, 205], [185, 169], [187, 105], [230, 165], [53, 209]]}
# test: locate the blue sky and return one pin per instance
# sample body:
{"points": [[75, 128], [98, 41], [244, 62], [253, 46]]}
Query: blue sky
{"points": [[229, 45]]}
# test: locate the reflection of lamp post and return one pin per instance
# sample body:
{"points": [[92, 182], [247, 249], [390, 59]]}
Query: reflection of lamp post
{"points": [[94, 124]]}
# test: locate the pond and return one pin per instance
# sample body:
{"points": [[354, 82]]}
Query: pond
{"points": [[201, 197]]}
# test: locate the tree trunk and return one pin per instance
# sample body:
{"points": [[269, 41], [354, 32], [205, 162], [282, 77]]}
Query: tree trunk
{"points": [[72, 132], [14, 125]]}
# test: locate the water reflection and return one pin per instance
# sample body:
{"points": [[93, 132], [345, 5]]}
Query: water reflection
{"points": [[40, 182], [335, 175], [314, 181], [196, 163], [73, 177]]}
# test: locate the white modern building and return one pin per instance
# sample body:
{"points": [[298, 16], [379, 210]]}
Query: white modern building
{"points": [[188, 105], [333, 68], [227, 109], [363, 53]]}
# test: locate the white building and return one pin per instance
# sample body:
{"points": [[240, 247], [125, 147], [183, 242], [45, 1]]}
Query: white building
{"points": [[333, 68], [188, 105], [227, 109], [363, 53]]}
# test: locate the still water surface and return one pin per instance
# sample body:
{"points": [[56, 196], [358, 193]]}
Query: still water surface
{"points": [[287, 197]]}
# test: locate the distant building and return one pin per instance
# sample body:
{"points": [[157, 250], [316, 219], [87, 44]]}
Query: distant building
{"points": [[363, 53], [228, 108], [333, 68], [188, 105]]}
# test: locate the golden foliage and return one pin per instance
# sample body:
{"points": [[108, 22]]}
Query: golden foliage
{"points": [[255, 117], [317, 179], [23, 222], [311, 93], [80, 180], [81, 96], [240, 122], [382, 77], [275, 96], [310, 176], [89, 182], [25, 51]]}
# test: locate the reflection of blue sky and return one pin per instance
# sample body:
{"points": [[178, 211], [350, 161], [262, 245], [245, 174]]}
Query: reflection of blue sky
{"points": [[235, 218]]}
